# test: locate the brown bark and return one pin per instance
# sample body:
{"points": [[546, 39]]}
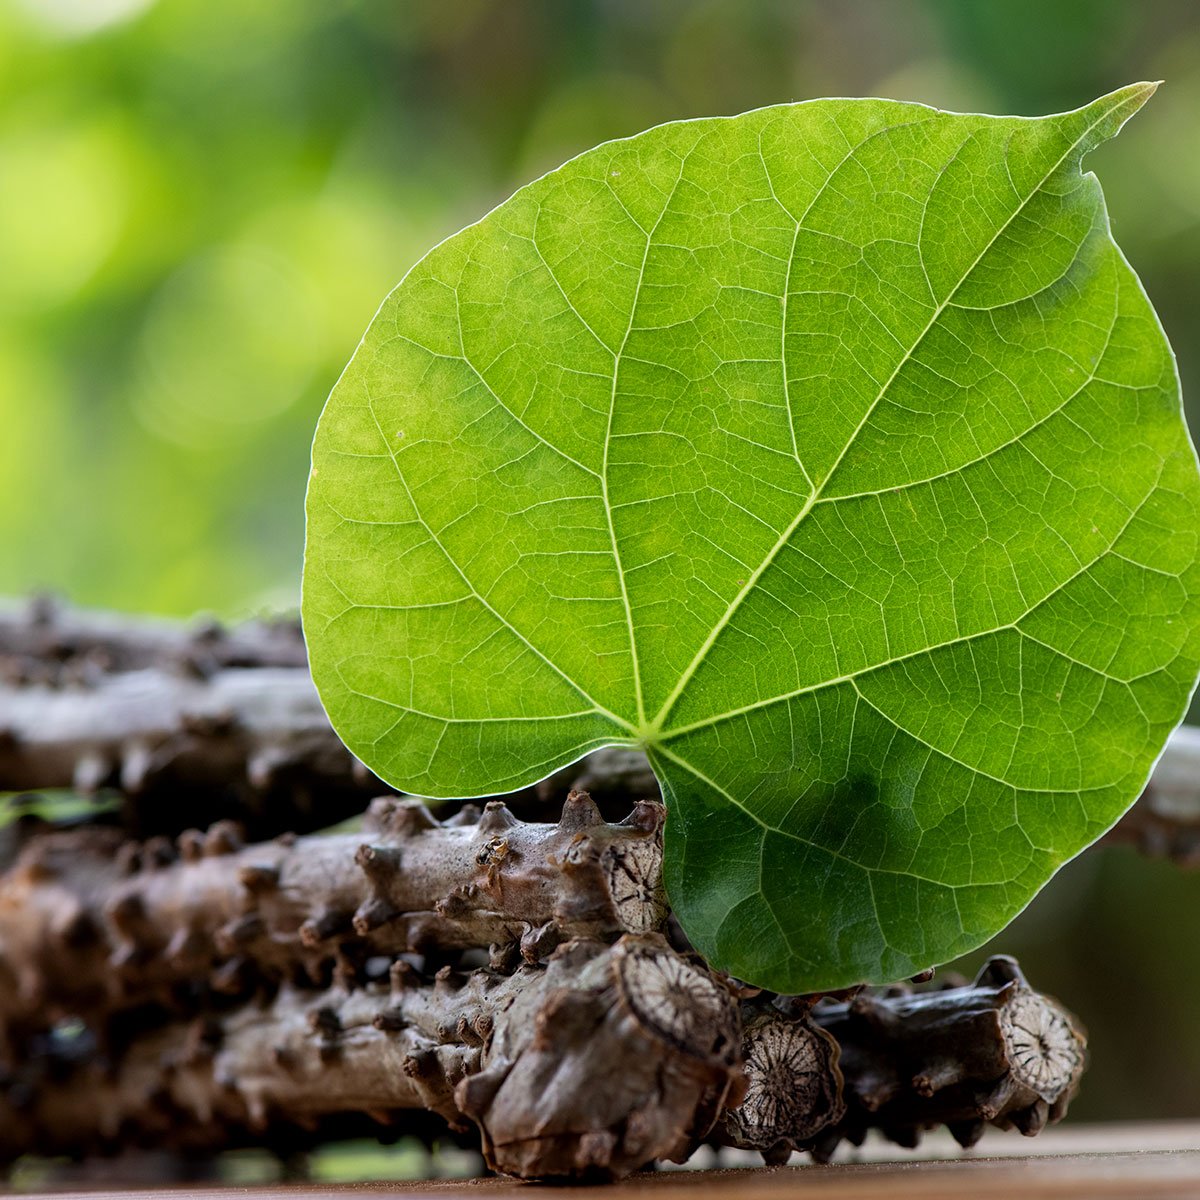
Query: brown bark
{"points": [[189, 720], [253, 742], [995, 1052], [45, 640], [603, 1060], [89, 923]]}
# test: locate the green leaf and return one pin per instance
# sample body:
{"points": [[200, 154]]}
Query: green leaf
{"points": [[833, 454]]}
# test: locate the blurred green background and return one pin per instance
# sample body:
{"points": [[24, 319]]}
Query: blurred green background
{"points": [[202, 202]]}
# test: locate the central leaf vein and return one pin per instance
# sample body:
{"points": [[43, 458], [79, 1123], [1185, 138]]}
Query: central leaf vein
{"points": [[656, 728]]}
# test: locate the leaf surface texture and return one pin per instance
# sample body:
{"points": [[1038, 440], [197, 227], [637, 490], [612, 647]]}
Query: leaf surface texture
{"points": [[832, 453]]}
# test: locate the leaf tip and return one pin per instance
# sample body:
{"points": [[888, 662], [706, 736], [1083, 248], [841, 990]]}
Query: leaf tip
{"points": [[1136, 94], [1104, 118], [1146, 88], [1109, 113]]}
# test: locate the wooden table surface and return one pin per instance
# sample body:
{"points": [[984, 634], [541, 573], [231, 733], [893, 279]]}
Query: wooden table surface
{"points": [[1135, 1161]]}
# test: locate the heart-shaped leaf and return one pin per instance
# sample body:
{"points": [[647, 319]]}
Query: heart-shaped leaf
{"points": [[833, 454]]}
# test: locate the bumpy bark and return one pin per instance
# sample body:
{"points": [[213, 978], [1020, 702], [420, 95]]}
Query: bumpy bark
{"points": [[605, 1059], [995, 1052], [572, 1056], [250, 742], [602, 1060], [186, 721], [43, 639], [181, 746], [88, 922]]}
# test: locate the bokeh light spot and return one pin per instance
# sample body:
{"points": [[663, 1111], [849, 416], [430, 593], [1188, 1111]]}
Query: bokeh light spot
{"points": [[232, 338]]}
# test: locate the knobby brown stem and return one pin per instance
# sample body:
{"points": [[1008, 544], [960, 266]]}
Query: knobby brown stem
{"points": [[572, 1056], [188, 722], [995, 1052], [604, 1059], [43, 639], [593, 1064], [88, 922], [252, 741]]}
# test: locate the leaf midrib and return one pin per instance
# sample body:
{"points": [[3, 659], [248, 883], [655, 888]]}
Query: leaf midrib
{"points": [[1014, 624], [651, 733]]}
